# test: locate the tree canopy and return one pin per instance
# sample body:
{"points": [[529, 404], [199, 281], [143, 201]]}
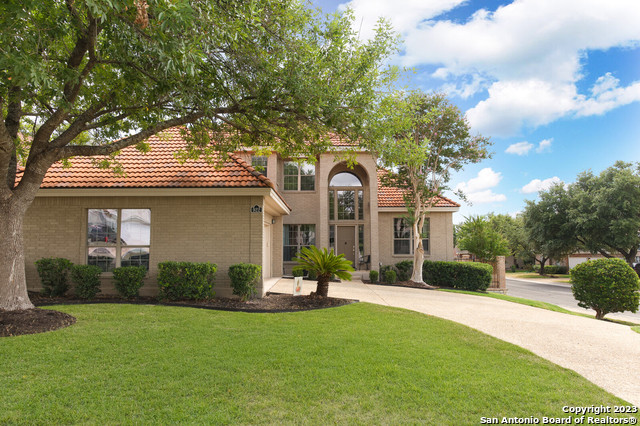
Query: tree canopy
{"points": [[90, 77], [422, 138], [551, 235], [480, 238], [605, 210]]}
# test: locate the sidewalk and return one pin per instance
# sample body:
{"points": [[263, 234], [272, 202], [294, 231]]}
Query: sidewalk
{"points": [[607, 354]]}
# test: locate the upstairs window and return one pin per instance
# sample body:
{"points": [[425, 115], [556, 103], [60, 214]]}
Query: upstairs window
{"points": [[259, 162], [118, 237], [299, 177]]}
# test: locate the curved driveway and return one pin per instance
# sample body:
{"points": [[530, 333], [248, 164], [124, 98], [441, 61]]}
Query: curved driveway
{"points": [[607, 354]]}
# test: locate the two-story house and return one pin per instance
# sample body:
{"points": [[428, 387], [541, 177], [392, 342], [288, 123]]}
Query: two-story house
{"points": [[256, 209]]}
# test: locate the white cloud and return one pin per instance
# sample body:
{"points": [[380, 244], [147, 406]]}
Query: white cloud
{"points": [[544, 145], [537, 185], [478, 190], [520, 148], [528, 55], [487, 196]]}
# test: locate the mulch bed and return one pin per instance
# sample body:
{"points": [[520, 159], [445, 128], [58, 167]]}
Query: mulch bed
{"points": [[30, 321]]}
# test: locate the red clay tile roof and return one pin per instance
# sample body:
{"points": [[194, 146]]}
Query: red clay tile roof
{"points": [[393, 197], [156, 169]]}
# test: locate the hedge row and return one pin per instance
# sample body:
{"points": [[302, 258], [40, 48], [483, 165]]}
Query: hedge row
{"points": [[176, 280], [472, 276], [552, 269]]}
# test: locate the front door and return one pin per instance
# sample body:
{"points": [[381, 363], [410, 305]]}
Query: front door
{"points": [[346, 242]]}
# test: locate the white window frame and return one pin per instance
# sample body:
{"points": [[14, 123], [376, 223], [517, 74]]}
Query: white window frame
{"points": [[425, 241]]}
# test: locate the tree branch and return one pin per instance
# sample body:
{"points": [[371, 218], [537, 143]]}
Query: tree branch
{"points": [[92, 151]]}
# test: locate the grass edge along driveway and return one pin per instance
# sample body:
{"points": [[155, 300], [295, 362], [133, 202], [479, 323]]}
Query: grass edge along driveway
{"points": [[360, 363]]}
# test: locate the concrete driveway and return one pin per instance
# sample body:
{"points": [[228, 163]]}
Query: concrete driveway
{"points": [[605, 353]]}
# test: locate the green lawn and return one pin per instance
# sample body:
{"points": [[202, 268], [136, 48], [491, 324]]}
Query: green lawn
{"points": [[565, 278], [360, 363]]}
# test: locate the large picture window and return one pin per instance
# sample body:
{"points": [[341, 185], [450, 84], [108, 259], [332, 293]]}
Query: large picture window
{"points": [[299, 177], [294, 237], [403, 236], [118, 237]]}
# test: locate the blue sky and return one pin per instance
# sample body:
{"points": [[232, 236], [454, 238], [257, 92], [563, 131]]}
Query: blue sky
{"points": [[555, 84]]}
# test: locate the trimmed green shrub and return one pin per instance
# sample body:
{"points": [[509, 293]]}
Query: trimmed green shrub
{"points": [[298, 272], [54, 275], [129, 279], [385, 268], [404, 268], [605, 285], [373, 276], [244, 277], [390, 276], [86, 279], [186, 280], [312, 275], [473, 276], [552, 269]]}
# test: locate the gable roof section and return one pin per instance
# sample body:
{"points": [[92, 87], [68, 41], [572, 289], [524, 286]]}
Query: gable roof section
{"points": [[389, 196], [157, 169]]}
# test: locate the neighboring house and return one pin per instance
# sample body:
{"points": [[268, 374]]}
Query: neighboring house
{"points": [[579, 257], [164, 210]]}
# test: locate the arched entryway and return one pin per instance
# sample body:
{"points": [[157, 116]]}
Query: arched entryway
{"points": [[348, 212]]}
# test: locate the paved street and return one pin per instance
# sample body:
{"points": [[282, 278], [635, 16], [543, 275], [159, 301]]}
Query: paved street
{"points": [[558, 294]]}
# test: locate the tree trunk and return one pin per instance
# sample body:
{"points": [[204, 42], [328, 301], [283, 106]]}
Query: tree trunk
{"points": [[542, 262], [323, 285], [13, 284], [418, 252], [599, 313]]}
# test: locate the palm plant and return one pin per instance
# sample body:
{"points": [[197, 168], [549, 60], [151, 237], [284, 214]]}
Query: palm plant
{"points": [[325, 264]]}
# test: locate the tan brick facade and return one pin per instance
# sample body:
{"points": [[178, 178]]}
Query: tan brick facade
{"points": [[215, 229], [440, 237], [217, 224]]}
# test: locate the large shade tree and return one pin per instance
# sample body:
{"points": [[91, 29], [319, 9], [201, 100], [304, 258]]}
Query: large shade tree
{"points": [[605, 210], [550, 234], [90, 77], [422, 138]]}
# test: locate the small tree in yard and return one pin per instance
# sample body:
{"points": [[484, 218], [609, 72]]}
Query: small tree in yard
{"points": [[325, 263], [606, 285], [480, 239], [422, 138], [88, 78]]}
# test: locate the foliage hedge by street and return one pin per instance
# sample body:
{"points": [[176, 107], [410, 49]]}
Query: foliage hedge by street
{"points": [[606, 285], [404, 269], [186, 280], [552, 269], [373, 276], [86, 279], [54, 275], [474, 276], [244, 277], [128, 280]]}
